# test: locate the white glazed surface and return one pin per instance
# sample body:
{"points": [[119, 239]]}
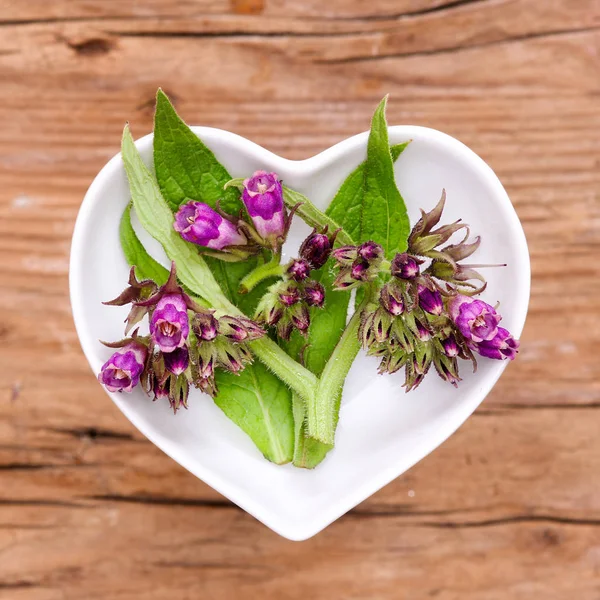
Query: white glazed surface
{"points": [[382, 431]]}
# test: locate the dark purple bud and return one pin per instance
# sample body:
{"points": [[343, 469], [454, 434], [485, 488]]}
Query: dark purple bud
{"points": [[448, 370], [289, 296], [345, 255], [430, 301], [161, 389], [502, 346], [316, 248], [476, 320], [199, 224], [122, 371], [177, 362], [450, 346], [274, 315], [391, 299], [206, 361], [404, 266], [360, 270], [370, 251], [169, 325], [300, 317], [205, 326], [423, 332], [314, 294], [298, 269], [263, 197]]}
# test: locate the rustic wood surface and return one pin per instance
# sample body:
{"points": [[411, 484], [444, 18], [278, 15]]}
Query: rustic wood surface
{"points": [[509, 507]]}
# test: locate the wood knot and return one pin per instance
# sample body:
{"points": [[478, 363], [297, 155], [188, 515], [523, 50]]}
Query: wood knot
{"points": [[95, 46]]}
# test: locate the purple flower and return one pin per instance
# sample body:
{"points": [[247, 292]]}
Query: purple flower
{"points": [[360, 270], [502, 346], [404, 266], [198, 223], [169, 325], [263, 197], [430, 302], [289, 296], [121, 372], [177, 361], [314, 294], [316, 248], [299, 269], [475, 319]]}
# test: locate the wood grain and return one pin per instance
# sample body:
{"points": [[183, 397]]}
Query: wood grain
{"points": [[509, 507]]}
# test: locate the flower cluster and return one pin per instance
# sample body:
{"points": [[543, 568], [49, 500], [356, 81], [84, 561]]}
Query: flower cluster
{"points": [[233, 238], [186, 343], [425, 316], [357, 264], [286, 303]]}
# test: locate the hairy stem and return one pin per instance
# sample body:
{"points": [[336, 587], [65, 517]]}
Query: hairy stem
{"points": [[273, 268], [321, 408]]}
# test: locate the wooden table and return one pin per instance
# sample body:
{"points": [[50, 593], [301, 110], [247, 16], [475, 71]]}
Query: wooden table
{"points": [[509, 507]]}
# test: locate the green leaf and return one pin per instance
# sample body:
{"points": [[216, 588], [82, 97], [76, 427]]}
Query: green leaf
{"points": [[185, 167], [384, 218], [259, 403], [347, 203], [136, 255]]}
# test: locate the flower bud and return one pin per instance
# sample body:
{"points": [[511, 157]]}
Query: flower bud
{"points": [[298, 269], [122, 371], [447, 369], [422, 332], [177, 362], [370, 251], [205, 326], [289, 296], [404, 266], [450, 347], [430, 301], [316, 248], [161, 388], [199, 224], [391, 299], [239, 329], [169, 325], [345, 255], [360, 270], [314, 294], [300, 318], [263, 197]]}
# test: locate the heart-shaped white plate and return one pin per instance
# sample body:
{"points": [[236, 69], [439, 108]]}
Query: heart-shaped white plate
{"points": [[382, 431]]}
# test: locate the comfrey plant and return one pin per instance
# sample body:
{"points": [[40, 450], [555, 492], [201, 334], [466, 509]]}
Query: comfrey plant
{"points": [[272, 340]]}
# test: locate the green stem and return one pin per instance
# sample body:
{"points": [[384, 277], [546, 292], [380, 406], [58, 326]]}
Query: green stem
{"points": [[322, 418], [313, 216], [264, 271]]}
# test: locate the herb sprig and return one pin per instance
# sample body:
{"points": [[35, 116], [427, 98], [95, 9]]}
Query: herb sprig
{"points": [[270, 342]]}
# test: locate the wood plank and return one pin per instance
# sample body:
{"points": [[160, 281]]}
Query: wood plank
{"points": [[509, 506]]}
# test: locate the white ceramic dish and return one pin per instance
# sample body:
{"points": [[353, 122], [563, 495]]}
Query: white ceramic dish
{"points": [[382, 431]]}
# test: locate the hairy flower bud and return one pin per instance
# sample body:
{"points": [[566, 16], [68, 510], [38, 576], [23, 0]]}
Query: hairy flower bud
{"points": [[316, 248], [430, 301], [314, 294], [177, 362], [405, 266], [298, 269], [391, 299], [199, 224]]}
